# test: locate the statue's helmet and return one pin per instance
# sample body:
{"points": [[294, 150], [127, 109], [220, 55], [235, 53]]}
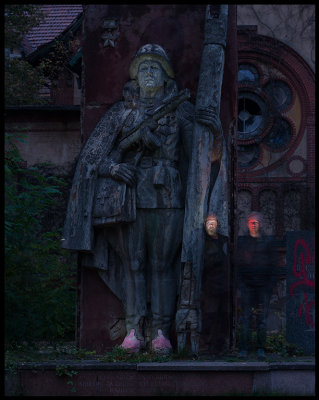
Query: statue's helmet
{"points": [[152, 52]]}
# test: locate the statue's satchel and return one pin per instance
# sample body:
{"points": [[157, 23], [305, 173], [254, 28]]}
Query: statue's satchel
{"points": [[114, 202]]}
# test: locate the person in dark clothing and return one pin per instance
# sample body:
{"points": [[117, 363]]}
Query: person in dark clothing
{"points": [[214, 294], [256, 272]]}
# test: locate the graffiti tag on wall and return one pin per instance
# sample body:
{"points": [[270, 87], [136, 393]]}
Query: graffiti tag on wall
{"points": [[300, 301], [303, 270]]}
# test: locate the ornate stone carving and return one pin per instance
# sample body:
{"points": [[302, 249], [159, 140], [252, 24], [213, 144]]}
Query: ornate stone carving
{"points": [[111, 31]]}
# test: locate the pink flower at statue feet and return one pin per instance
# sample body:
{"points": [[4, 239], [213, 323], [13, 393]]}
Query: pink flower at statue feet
{"points": [[131, 343], [161, 344]]}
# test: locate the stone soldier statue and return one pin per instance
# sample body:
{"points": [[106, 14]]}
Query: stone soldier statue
{"points": [[126, 208]]}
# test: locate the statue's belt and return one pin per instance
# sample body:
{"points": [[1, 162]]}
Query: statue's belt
{"points": [[148, 162]]}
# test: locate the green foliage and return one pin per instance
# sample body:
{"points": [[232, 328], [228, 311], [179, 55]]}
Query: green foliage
{"points": [[82, 354], [278, 344], [63, 370], [18, 352], [19, 20], [10, 363], [39, 275], [57, 60], [22, 80], [23, 83]]}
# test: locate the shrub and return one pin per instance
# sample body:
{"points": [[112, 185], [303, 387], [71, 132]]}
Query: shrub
{"points": [[39, 275]]}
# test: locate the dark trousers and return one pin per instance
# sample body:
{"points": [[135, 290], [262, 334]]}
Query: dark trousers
{"points": [[214, 338], [150, 252], [254, 299]]}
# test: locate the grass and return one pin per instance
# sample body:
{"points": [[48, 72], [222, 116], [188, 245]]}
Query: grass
{"points": [[56, 351]]}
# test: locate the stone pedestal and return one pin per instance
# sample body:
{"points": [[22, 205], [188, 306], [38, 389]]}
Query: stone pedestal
{"points": [[111, 36], [178, 378]]}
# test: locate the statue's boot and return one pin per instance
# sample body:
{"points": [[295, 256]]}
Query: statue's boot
{"points": [[160, 344], [131, 343]]}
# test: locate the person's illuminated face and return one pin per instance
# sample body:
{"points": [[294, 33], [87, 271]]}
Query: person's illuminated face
{"points": [[253, 226], [150, 75], [211, 226]]}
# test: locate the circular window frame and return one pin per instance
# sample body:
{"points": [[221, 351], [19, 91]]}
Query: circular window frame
{"points": [[293, 93], [256, 82], [296, 73], [256, 162], [292, 139], [304, 166], [254, 93]]}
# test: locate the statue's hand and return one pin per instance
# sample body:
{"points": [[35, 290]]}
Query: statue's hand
{"points": [[124, 172], [208, 117], [149, 139]]}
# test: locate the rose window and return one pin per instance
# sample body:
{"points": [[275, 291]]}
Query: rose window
{"points": [[265, 128]]}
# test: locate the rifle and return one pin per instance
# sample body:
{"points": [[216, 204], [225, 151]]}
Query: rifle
{"points": [[121, 206], [134, 135]]}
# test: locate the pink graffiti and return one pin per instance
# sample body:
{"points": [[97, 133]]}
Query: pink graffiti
{"points": [[306, 307], [303, 280]]}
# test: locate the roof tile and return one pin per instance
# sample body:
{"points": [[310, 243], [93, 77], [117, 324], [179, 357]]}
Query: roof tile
{"points": [[57, 18]]}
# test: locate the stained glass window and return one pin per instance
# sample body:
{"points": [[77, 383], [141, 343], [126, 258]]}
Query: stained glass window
{"points": [[280, 94], [252, 114], [280, 134], [247, 73]]}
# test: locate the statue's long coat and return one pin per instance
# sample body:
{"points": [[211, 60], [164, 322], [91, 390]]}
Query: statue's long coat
{"points": [[78, 229], [79, 233]]}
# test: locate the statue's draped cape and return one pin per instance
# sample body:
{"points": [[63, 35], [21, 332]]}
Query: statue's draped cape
{"points": [[78, 229]]}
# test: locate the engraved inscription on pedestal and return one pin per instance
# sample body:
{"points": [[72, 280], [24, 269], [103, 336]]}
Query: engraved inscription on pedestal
{"points": [[125, 383]]}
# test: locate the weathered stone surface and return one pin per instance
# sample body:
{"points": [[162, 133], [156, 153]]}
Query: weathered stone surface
{"points": [[285, 382], [94, 378], [98, 311], [51, 134]]}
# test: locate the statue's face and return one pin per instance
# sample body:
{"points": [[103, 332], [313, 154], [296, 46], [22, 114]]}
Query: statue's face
{"points": [[150, 75]]}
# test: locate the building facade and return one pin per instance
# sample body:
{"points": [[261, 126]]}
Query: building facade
{"points": [[273, 148]]}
